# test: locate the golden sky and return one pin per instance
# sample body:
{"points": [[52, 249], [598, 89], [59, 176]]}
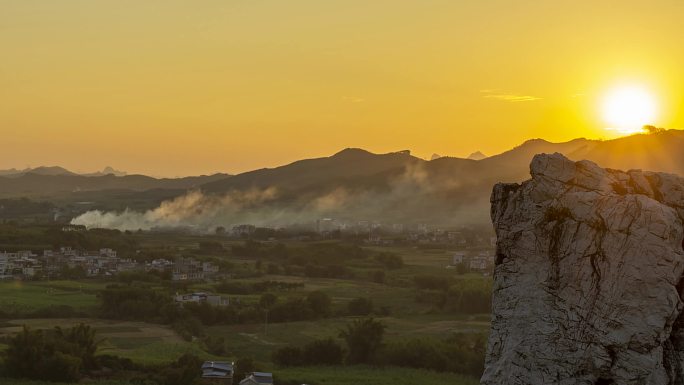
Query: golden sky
{"points": [[174, 87]]}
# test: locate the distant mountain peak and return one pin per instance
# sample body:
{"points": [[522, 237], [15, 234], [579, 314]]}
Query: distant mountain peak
{"points": [[477, 155], [110, 170], [435, 156], [351, 151], [49, 170]]}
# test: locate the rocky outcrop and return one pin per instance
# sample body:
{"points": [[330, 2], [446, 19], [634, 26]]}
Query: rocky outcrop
{"points": [[588, 282]]}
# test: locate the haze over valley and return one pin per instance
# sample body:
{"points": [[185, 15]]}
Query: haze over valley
{"points": [[350, 186]]}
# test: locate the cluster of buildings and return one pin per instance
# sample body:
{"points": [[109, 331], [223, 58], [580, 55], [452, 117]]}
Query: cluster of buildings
{"points": [[190, 269], [211, 299], [481, 262], [221, 372], [28, 265], [103, 262]]}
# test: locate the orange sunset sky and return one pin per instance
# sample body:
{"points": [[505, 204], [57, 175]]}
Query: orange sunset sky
{"points": [[186, 87]]}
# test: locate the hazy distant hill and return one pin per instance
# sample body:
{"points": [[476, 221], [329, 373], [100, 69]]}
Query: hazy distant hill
{"points": [[399, 187], [106, 171], [347, 166], [45, 184], [477, 155], [56, 170], [43, 170], [352, 184]]}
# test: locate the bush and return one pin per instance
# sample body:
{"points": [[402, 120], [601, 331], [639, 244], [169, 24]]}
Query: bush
{"points": [[188, 327], [470, 296], [136, 303], [378, 276], [215, 345], [323, 352], [185, 371], [432, 282], [243, 366], [320, 303], [360, 306], [460, 353], [288, 356], [318, 352], [53, 356], [390, 261], [363, 338]]}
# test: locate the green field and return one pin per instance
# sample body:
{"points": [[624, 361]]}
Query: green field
{"points": [[362, 375], [24, 296], [395, 304], [330, 375], [259, 341], [141, 342], [16, 381]]}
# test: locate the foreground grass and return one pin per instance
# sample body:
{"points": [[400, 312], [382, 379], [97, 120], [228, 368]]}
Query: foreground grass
{"points": [[363, 375]]}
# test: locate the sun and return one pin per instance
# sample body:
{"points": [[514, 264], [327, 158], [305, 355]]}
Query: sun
{"points": [[627, 109]]}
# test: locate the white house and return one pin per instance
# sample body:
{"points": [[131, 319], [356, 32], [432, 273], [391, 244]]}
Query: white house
{"points": [[4, 266], [457, 258], [217, 372], [211, 299], [478, 263], [258, 378]]}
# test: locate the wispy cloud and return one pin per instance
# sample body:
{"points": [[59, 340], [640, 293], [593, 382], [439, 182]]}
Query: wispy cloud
{"points": [[507, 96], [353, 99]]}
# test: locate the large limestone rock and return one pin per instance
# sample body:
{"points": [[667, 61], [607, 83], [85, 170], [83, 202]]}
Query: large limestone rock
{"points": [[588, 281]]}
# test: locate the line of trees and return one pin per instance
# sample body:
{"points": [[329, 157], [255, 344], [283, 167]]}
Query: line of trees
{"points": [[53, 355], [470, 296], [364, 344]]}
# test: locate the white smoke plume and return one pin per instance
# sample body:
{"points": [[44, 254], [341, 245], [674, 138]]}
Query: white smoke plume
{"points": [[193, 209], [413, 196]]}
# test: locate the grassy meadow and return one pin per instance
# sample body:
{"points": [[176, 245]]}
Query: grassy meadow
{"points": [[26, 296], [363, 375], [144, 343]]}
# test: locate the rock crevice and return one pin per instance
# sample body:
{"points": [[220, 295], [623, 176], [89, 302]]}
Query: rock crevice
{"points": [[588, 280]]}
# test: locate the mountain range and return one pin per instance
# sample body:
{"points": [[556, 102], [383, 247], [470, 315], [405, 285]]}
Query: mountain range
{"points": [[357, 184]]}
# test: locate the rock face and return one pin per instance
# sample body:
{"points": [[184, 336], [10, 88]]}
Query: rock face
{"points": [[588, 282]]}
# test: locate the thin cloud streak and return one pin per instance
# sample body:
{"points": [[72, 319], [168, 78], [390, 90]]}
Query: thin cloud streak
{"points": [[508, 97]]}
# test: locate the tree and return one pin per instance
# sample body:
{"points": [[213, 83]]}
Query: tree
{"points": [[288, 356], [243, 366], [267, 300], [323, 352], [653, 129], [360, 306], [53, 357], [83, 344], [185, 371], [378, 276], [23, 352], [461, 268], [318, 352], [363, 338], [319, 302]]}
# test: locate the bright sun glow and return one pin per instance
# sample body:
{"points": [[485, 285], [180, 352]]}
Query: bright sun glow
{"points": [[628, 109]]}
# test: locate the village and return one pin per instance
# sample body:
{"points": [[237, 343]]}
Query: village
{"points": [[27, 265]]}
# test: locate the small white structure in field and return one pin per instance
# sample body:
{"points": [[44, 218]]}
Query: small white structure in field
{"points": [[258, 378], [217, 372], [457, 258]]}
